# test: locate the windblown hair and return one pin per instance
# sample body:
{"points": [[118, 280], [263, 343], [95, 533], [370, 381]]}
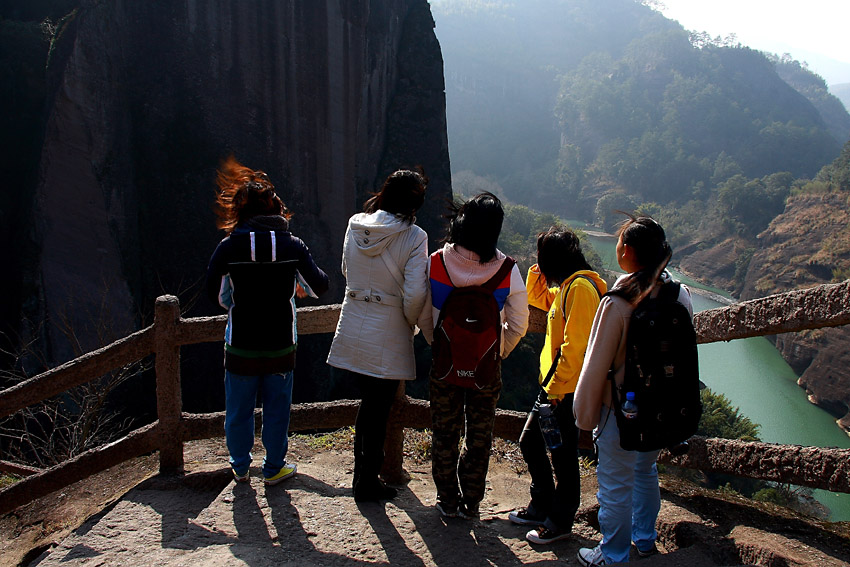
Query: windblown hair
{"points": [[559, 255], [402, 193], [652, 252], [476, 225], [244, 193]]}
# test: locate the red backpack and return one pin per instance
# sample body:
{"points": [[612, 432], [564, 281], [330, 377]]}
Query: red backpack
{"points": [[467, 337]]}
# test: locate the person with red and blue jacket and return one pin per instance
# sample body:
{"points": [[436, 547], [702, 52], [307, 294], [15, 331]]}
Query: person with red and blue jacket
{"points": [[469, 258]]}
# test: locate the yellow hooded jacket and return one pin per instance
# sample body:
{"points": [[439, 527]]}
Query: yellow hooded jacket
{"points": [[567, 325]]}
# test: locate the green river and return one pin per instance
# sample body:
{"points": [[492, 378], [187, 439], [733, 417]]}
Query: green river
{"points": [[756, 379]]}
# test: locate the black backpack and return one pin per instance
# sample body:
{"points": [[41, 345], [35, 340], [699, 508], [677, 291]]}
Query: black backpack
{"points": [[662, 370], [467, 336]]}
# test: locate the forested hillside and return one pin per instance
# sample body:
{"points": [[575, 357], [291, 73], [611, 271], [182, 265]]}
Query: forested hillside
{"points": [[814, 88], [580, 108], [842, 92], [564, 102]]}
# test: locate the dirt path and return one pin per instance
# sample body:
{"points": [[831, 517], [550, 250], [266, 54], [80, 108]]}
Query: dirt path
{"points": [[205, 519]]}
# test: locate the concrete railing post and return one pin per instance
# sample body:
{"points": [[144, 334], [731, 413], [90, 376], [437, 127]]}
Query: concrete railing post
{"points": [[169, 399], [393, 469]]}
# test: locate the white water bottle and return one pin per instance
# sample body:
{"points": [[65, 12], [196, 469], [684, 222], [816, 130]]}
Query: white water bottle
{"points": [[630, 409]]}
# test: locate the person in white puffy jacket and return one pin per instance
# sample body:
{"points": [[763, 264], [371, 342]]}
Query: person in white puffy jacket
{"points": [[384, 260]]}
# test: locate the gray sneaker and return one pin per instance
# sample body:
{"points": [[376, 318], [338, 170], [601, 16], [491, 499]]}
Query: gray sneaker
{"points": [[591, 556]]}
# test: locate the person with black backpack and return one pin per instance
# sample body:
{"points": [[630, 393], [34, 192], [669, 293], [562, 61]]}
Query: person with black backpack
{"points": [[628, 494], [476, 315], [563, 284]]}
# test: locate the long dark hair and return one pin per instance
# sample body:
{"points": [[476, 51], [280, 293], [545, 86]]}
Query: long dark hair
{"points": [[559, 255], [476, 225], [244, 193], [402, 193], [652, 252]]}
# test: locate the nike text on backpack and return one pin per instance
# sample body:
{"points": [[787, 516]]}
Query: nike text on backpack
{"points": [[663, 372], [467, 337]]}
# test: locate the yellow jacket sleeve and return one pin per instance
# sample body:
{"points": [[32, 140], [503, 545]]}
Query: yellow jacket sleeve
{"points": [[539, 294]]}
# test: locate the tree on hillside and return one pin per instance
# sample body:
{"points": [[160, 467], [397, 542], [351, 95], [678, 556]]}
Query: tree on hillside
{"points": [[752, 204], [837, 173], [721, 419]]}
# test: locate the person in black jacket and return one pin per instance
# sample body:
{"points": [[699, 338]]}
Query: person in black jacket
{"points": [[255, 273]]}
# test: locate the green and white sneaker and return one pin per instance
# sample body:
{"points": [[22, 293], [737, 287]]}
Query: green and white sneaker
{"points": [[243, 477], [286, 471]]}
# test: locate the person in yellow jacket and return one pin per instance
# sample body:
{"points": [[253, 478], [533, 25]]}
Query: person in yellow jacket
{"points": [[562, 284]]}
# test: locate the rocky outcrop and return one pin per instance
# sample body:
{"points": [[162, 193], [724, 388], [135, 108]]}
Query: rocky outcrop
{"points": [[147, 97], [809, 244], [715, 264]]}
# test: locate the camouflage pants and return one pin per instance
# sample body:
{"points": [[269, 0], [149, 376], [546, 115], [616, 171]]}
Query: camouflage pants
{"points": [[460, 475]]}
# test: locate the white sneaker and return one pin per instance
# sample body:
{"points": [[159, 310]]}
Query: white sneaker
{"points": [[588, 556]]}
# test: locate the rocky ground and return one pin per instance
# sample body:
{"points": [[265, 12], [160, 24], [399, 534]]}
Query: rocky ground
{"points": [[131, 516]]}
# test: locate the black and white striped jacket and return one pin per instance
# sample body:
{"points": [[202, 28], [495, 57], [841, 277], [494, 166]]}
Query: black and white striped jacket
{"points": [[252, 274]]}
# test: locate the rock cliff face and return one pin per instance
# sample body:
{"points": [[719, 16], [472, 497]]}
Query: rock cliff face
{"points": [[145, 100], [715, 264], [805, 246]]}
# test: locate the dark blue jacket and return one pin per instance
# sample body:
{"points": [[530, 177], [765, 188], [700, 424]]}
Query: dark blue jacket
{"points": [[252, 274]]}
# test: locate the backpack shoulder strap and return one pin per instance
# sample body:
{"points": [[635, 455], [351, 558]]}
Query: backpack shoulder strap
{"points": [[564, 313], [564, 302], [669, 291], [505, 269]]}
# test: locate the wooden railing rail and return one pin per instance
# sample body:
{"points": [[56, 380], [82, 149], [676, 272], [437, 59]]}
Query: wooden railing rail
{"points": [[821, 306], [125, 351], [825, 305], [140, 442]]}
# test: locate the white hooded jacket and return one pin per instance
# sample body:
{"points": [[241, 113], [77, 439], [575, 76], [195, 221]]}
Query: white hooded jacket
{"points": [[384, 260]]}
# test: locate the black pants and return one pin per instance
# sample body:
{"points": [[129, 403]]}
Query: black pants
{"points": [[560, 500], [370, 428]]}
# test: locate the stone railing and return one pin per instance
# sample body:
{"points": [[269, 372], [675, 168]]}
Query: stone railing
{"points": [[822, 306]]}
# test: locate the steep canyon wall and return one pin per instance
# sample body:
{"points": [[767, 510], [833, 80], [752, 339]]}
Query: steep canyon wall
{"points": [[807, 245], [146, 98]]}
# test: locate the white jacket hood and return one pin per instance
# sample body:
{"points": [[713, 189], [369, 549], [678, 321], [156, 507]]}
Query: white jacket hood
{"points": [[372, 232]]}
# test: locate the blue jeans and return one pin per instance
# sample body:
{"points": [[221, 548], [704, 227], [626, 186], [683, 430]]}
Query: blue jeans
{"points": [[629, 497], [241, 399]]}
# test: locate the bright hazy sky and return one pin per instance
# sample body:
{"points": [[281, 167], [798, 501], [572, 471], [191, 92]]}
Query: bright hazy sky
{"points": [[815, 31]]}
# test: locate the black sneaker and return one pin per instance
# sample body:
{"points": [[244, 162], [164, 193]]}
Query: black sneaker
{"points": [[446, 510], [373, 491], [469, 511], [526, 517], [645, 553], [544, 535]]}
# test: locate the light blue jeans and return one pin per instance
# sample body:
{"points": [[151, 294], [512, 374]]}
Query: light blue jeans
{"points": [[629, 497], [241, 399]]}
